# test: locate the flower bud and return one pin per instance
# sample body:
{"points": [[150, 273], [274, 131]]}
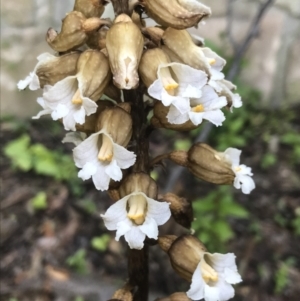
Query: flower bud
{"points": [[117, 123], [97, 39], [160, 120], [180, 157], [53, 70], [181, 209], [166, 241], [124, 43], [175, 297], [154, 34], [150, 61], [93, 73], [90, 8], [209, 165], [185, 254], [178, 14], [138, 182], [73, 32]]}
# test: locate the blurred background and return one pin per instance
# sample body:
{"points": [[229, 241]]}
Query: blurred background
{"points": [[53, 243]]}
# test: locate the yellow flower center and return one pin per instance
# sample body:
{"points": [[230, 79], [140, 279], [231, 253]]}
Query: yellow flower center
{"points": [[106, 149], [168, 82], [137, 208], [198, 108], [237, 169], [211, 61], [208, 273], [76, 100]]}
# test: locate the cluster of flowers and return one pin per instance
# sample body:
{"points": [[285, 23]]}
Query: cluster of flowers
{"points": [[98, 58]]}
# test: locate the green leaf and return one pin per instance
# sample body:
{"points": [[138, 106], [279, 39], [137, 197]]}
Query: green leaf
{"points": [[100, 243], [39, 202], [78, 261], [233, 210], [18, 152], [223, 230], [182, 144]]}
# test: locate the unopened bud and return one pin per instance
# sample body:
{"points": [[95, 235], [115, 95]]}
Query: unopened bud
{"points": [[185, 254], [117, 123], [160, 120], [175, 297], [90, 8], [124, 43], [209, 165], [150, 61], [94, 73], [181, 209], [178, 14], [97, 39], [154, 34], [180, 157], [166, 241], [138, 182]]}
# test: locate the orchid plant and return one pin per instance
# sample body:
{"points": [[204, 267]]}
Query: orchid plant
{"points": [[125, 60]]}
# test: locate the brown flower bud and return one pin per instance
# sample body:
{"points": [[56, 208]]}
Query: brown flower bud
{"points": [[52, 71], [209, 165], [166, 241], [138, 182], [154, 34], [181, 209], [150, 61], [180, 47], [73, 32], [93, 73], [178, 14], [159, 119], [90, 8], [180, 157], [113, 92], [97, 39], [175, 297], [185, 254], [124, 43], [117, 123]]}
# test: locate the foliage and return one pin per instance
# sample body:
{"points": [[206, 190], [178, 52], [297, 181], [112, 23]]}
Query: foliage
{"points": [[27, 156], [281, 276], [100, 243], [39, 201], [78, 261], [296, 222], [212, 226]]}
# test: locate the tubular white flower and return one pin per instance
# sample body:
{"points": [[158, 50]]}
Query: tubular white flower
{"points": [[32, 80], [242, 172], [208, 107], [213, 277], [66, 100], [102, 159], [136, 216], [176, 84]]}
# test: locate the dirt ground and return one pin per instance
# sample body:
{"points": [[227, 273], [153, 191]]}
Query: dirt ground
{"points": [[36, 245]]}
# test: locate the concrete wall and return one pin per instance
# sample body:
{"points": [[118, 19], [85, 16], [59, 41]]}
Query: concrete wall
{"points": [[273, 62]]}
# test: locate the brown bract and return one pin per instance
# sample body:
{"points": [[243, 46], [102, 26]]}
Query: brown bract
{"points": [[207, 164], [178, 14], [138, 182], [124, 43], [93, 73], [51, 72]]}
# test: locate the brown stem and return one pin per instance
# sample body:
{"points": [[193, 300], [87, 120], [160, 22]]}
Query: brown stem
{"points": [[158, 159], [120, 7]]}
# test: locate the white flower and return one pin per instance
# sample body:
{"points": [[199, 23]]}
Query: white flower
{"points": [[176, 84], [242, 172], [136, 216], [206, 107], [67, 101], [213, 277], [32, 79], [74, 137], [225, 88], [102, 159], [46, 110]]}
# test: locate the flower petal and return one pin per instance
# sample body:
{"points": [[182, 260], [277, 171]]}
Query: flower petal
{"points": [[233, 154], [159, 211], [123, 227], [113, 170], [196, 291], [231, 276], [247, 183], [79, 115], [74, 137], [123, 157], [60, 111], [101, 178], [149, 227], [88, 170], [211, 293], [135, 238], [174, 116], [216, 117]]}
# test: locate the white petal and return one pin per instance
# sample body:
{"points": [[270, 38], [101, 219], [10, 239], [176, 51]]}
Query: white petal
{"points": [[113, 170], [69, 122], [247, 183], [74, 137], [135, 238], [101, 178], [196, 118], [35, 83], [192, 92], [79, 115], [174, 116], [216, 117], [232, 276], [115, 214], [123, 227], [211, 293], [90, 106], [221, 261], [226, 290], [149, 227], [159, 211], [41, 113], [22, 84], [123, 157], [196, 291], [155, 90], [88, 170], [233, 155], [60, 111]]}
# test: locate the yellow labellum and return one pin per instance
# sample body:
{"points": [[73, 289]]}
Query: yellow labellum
{"points": [[76, 100], [137, 206], [208, 273], [198, 108], [106, 150]]}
